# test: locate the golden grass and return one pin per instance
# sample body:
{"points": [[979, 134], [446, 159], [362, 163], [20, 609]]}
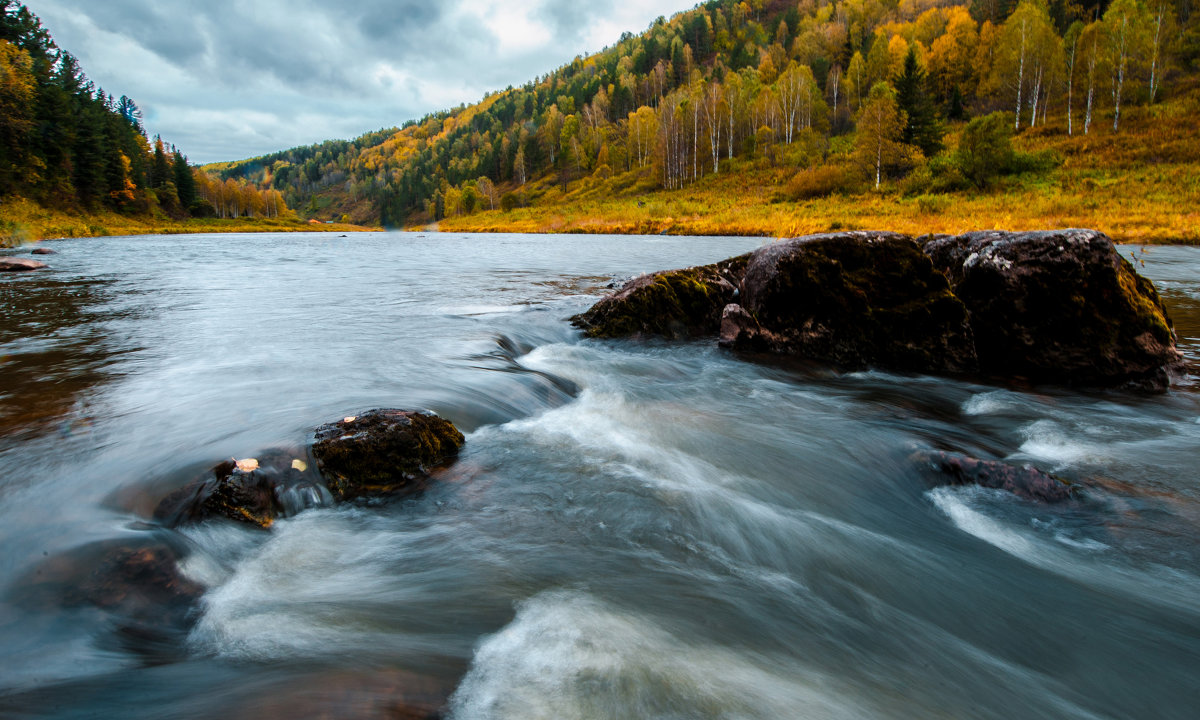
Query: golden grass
{"points": [[24, 221]]}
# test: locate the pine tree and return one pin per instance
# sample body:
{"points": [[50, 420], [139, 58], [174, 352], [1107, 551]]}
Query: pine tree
{"points": [[185, 182], [912, 95]]}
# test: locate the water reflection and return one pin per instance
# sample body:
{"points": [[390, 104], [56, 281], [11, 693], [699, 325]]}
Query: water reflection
{"points": [[55, 352]]}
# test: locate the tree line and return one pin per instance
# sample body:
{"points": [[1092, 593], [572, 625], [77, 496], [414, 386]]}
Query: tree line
{"points": [[768, 80], [66, 143]]}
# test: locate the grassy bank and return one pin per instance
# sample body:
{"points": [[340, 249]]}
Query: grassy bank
{"points": [[1139, 185], [23, 221]]}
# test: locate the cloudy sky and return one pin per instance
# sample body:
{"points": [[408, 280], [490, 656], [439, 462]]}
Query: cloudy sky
{"points": [[229, 79]]}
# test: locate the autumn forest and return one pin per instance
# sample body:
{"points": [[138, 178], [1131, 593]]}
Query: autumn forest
{"points": [[800, 100]]}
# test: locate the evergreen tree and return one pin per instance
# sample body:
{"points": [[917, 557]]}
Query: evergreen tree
{"points": [[160, 168], [912, 95], [185, 182]]}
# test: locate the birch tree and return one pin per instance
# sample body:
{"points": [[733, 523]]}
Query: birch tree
{"points": [[880, 125]]}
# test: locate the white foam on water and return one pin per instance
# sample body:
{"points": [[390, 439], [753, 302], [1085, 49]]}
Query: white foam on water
{"points": [[567, 655], [297, 594], [1086, 561], [989, 403], [1048, 441], [971, 521]]}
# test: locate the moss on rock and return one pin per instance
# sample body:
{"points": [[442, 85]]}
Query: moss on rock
{"points": [[384, 452], [674, 303]]}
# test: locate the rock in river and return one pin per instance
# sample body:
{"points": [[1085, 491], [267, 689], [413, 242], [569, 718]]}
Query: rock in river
{"points": [[854, 299], [42, 251], [16, 264], [1024, 481], [384, 452], [254, 491], [674, 303], [1058, 306]]}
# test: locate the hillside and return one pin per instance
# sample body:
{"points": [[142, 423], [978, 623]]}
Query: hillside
{"points": [[77, 160], [773, 117]]}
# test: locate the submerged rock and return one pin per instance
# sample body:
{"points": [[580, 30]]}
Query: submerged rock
{"points": [[43, 251], [854, 299], [135, 580], [1058, 306], [384, 452], [1025, 481], [16, 264], [674, 303]]}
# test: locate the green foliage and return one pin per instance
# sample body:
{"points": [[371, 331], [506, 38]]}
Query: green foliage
{"points": [[912, 96], [985, 151], [63, 142]]}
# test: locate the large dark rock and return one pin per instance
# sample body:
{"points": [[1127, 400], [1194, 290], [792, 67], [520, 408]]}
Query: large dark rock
{"points": [[1058, 306], [854, 299], [674, 303], [17, 264], [384, 452], [1024, 481], [257, 492]]}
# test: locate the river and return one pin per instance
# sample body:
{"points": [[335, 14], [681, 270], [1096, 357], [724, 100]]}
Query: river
{"points": [[635, 529]]}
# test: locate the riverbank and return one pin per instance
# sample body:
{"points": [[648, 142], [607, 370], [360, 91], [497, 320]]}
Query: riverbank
{"points": [[23, 221]]}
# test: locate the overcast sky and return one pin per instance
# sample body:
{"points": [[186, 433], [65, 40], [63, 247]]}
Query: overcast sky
{"points": [[230, 79]]}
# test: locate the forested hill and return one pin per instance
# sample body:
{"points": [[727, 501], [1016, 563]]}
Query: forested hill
{"points": [[72, 148], [847, 95]]}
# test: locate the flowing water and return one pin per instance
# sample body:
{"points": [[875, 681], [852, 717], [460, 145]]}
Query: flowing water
{"points": [[635, 529]]}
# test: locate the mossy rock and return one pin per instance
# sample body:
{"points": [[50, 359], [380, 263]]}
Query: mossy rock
{"points": [[1059, 306], [674, 303], [384, 452], [857, 300]]}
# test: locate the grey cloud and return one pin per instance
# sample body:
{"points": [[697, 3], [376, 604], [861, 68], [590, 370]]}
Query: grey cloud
{"points": [[247, 77]]}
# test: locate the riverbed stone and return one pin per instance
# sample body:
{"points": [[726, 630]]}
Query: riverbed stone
{"points": [[42, 251], [855, 300], [135, 580], [1024, 481], [674, 303], [253, 491], [18, 264], [1059, 306], [384, 452]]}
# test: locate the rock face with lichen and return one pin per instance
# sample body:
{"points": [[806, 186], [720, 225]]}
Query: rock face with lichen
{"points": [[854, 299], [1059, 306], [384, 452], [674, 303]]}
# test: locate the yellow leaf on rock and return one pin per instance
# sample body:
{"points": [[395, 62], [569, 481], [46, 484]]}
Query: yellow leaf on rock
{"points": [[350, 419], [247, 465], [299, 465]]}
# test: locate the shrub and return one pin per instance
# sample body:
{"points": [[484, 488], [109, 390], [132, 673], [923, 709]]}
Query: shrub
{"points": [[510, 201], [821, 181], [985, 150]]}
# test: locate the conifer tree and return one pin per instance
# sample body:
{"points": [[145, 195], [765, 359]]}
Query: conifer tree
{"points": [[912, 95]]}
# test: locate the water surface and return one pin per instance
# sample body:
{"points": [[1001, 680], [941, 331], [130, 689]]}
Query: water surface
{"points": [[641, 529]]}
